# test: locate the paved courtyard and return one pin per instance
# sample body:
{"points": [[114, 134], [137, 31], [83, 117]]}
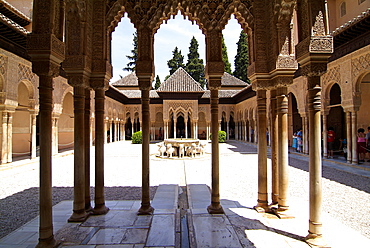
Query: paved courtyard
{"points": [[180, 193]]}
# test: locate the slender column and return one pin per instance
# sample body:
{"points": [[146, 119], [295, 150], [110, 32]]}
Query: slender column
{"points": [[274, 150], [196, 130], [55, 135], [4, 138], [227, 130], [174, 128], [325, 134], [10, 137], [79, 213], [99, 207], [354, 137], [186, 129], [33, 136], [349, 137], [215, 207], [306, 137], [208, 130], [105, 131], [86, 131], [46, 107], [124, 131], [262, 202], [283, 157], [315, 166], [146, 208], [110, 131]]}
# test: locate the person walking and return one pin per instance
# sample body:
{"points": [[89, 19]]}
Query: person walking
{"points": [[331, 139], [361, 145], [368, 143]]}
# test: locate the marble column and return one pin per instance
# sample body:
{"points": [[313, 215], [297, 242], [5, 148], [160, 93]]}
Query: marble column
{"points": [[315, 164], [349, 137], [354, 137], [215, 207], [325, 135], [274, 149], [86, 133], [106, 131], [174, 128], [55, 147], [10, 137], [306, 136], [100, 207], [79, 213], [262, 201], [283, 205], [45, 124], [33, 136], [4, 138], [145, 208]]}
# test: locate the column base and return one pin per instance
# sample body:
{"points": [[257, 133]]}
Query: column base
{"points": [[262, 207], [215, 208], [48, 243], [316, 240], [145, 209], [100, 209], [283, 212], [78, 216]]}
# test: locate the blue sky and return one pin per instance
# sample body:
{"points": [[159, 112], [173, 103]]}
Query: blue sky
{"points": [[177, 32]]}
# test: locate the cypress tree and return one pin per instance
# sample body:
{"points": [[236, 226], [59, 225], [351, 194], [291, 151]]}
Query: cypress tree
{"points": [[157, 82], [225, 57], [241, 59], [195, 66], [176, 62], [131, 66]]}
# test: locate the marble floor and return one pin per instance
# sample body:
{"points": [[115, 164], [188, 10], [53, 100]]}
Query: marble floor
{"points": [[170, 226], [180, 218]]}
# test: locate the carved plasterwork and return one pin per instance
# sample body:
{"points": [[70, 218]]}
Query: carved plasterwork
{"points": [[332, 75], [285, 59], [360, 65], [3, 64], [25, 72]]}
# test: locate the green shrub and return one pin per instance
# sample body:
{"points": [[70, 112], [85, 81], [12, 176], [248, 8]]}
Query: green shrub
{"points": [[221, 136], [137, 138]]}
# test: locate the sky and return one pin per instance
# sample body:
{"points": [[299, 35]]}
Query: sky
{"points": [[177, 32]]}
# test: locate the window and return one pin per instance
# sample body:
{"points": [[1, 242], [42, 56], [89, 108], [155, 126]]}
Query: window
{"points": [[342, 9]]}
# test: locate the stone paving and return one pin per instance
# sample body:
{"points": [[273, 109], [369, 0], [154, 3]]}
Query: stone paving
{"points": [[189, 226]]}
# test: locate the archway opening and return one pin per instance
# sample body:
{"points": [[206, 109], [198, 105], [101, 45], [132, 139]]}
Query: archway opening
{"points": [[180, 125], [336, 117], [295, 120]]}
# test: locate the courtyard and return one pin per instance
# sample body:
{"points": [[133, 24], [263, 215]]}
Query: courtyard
{"points": [[180, 195]]}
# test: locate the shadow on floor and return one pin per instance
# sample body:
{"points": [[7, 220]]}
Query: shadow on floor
{"points": [[21, 207]]}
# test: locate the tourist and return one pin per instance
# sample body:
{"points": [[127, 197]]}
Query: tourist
{"points": [[361, 145], [294, 145], [368, 143], [331, 139], [299, 140]]}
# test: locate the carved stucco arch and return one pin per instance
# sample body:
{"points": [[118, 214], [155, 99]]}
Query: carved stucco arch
{"points": [[357, 101], [31, 92], [207, 14]]}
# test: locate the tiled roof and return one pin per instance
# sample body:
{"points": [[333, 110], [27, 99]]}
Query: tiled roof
{"points": [[13, 24], [14, 14], [352, 22], [229, 80], [137, 93], [180, 81], [129, 80], [221, 93]]}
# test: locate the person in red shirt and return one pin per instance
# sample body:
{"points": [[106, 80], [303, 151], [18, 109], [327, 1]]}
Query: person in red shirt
{"points": [[331, 139]]}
